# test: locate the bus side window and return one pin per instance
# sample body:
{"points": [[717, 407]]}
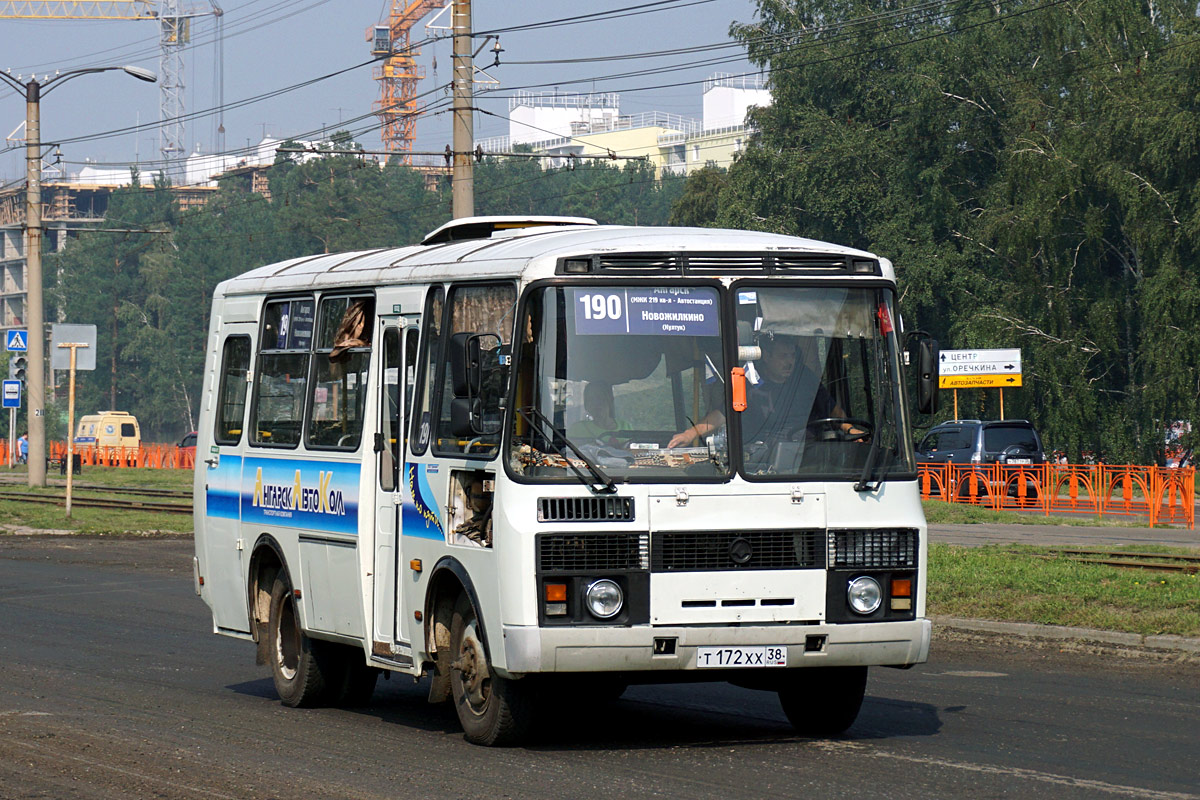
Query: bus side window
{"points": [[339, 382], [231, 397], [389, 423], [282, 372], [474, 308], [427, 374]]}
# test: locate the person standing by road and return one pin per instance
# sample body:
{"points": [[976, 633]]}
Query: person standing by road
{"points": [[23, 448]]}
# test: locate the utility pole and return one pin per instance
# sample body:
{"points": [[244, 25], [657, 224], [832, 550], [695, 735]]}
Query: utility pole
{"points": [[463, 175], [35, 376]]}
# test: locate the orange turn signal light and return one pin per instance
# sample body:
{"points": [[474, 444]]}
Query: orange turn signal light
{"points": [[901, 587], [415, 565], [556, 593]]}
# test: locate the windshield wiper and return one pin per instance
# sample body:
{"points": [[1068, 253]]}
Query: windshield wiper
{"points": [[601, 483]]}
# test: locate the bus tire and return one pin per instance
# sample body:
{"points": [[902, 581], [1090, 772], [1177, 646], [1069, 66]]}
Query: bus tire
{"points": [[492, 710], [299, 666], [824, 701]]}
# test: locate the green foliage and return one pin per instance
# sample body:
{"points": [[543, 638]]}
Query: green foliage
{"points": [[1028, 167], [149, 290]]}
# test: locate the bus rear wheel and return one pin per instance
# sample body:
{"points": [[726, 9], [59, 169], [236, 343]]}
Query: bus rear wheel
{"points": [[298, 665], [492, 710], [824, 701]]}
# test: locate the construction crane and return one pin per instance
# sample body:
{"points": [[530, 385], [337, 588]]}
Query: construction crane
{"points": [[398, 75], [175, 33]]}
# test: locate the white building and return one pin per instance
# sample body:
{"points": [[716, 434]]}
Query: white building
{"points": [[727, 98]]}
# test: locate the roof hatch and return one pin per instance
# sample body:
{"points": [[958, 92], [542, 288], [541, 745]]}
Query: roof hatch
{"points": [[458, 230]]}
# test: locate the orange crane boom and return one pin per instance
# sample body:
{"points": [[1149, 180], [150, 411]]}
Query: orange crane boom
{"points": [[398, 76]]}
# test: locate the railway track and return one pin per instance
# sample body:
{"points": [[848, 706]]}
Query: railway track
{"points": [[145, 491], [98, 502], [1162, 562]]}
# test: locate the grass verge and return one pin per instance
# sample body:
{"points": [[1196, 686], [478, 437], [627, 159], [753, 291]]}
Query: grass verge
{"points": [[17, 515], [1013, 583]]}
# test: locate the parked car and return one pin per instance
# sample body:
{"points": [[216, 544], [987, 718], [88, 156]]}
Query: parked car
{"points": [[188, 443], [984, 442]]}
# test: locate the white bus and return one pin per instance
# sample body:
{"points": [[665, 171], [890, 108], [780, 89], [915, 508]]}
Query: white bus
{"points": [[533, 456]]}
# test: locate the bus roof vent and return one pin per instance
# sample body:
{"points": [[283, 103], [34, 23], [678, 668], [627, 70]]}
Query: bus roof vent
{"points": [[458, 230]]}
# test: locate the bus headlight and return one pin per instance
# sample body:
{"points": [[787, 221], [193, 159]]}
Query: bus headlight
{"points": [[605, 598], [864, 595]]}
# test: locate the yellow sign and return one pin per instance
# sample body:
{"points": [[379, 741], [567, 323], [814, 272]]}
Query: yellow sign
{"points": [[978, 381]]}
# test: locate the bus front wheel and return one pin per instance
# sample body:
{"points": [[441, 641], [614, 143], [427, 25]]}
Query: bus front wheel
{"points": [[492, 710], [297, 665], [824, 701]]}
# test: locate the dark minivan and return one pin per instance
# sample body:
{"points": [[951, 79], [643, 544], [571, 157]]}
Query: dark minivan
{"points": [[973, 441]]}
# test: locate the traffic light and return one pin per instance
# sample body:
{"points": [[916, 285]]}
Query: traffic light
{"points": [[16, 366]]}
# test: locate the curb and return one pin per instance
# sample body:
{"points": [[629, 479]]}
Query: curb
{"points": [[1160, 643]]}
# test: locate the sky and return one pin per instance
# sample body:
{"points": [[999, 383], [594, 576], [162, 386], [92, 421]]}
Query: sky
{"points": [[270, 46]]}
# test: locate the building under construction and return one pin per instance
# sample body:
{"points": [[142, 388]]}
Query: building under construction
{"points": [[67, 209]]}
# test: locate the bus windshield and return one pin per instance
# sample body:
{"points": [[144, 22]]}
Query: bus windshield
{"points": [[618, 371], [635, 379], [823, 390]]}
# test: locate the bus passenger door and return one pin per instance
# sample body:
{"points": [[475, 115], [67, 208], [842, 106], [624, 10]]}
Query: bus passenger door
{"points": [[388, 640], [219, 458]]}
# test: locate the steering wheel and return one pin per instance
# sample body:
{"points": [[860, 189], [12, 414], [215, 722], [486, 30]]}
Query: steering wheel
{"points": [[834, 425], [348, 439]]}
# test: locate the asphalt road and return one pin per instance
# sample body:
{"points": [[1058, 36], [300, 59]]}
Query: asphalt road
{"points": [[112, 686]]}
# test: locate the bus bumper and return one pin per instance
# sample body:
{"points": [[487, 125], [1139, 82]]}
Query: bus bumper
{"points": [[529, 649]]}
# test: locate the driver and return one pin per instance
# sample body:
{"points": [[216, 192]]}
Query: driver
{"points": [[788, 397], [599, 414]]}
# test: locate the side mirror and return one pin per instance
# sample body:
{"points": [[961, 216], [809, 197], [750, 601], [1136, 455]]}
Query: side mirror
{"points": [[927, 376], [477, 380], [464, 364]]}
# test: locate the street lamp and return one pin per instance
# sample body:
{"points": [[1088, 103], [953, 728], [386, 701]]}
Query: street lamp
{"points": [[34, 312]]}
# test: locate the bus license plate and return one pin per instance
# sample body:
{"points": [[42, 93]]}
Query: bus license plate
{"points": [[768, 656]]}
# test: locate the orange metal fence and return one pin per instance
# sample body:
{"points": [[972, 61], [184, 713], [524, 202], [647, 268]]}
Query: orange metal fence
{"points": [[154, 456], [1161, 494]]}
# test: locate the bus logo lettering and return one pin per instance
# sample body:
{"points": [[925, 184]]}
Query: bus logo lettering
{"points": [[280, 499]]}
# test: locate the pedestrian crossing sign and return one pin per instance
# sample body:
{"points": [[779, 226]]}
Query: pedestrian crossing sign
{"points": [[17, 341]]}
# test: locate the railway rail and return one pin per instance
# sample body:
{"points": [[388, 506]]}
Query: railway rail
{"points": [[1162, 562], [145, 491], [98, 502]]}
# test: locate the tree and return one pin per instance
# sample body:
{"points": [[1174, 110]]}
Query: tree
{"points": [[1027, 168]]}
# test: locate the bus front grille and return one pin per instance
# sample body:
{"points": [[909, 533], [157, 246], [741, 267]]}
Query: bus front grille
{"points": [[693, 551], [885, 548], [577, 552], [585, 509]]}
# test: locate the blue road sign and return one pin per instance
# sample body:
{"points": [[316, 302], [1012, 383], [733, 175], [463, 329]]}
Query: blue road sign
{"points": [[12, 394], [17, 341]]}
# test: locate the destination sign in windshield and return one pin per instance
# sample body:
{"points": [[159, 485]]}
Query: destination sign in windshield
{"points": [[676, 310]]}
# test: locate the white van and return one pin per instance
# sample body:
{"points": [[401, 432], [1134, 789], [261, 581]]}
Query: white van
{"points": [[109, 429]]}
